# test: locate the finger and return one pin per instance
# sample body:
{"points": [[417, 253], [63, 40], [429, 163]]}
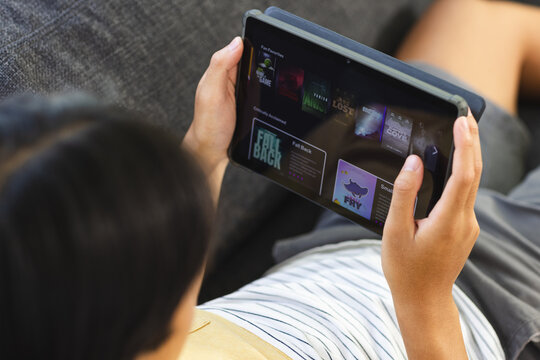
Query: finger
{"points": [[460, 183], [401, 214], [473, 126], [236, 59], [223, 65]]}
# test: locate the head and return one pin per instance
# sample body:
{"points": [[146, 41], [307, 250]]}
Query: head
{"points": [[104, 230]]}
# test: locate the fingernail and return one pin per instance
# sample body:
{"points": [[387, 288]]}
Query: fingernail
{"points": [[234, 43], [412, 163]]}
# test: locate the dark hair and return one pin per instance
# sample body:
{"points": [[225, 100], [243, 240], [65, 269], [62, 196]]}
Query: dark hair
{"points": [[104, 224]]}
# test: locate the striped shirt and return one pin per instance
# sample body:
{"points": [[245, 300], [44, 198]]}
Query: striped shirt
{"points": [[333, 302]]}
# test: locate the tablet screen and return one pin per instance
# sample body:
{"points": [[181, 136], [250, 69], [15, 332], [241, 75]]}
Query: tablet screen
{"points": [[333, 130]]}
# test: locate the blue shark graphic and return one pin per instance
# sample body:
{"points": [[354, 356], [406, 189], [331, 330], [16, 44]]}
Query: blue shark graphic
{"points": [[356, 189]]}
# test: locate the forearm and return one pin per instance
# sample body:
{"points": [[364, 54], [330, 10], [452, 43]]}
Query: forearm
{"points": [[430, 330], [214, 166], [215, 179]]}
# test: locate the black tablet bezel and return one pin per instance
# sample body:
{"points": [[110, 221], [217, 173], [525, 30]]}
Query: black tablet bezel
{"points": [[440, 99]]}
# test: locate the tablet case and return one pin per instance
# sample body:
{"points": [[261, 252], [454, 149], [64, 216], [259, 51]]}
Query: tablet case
{"points": [[475, 102]]}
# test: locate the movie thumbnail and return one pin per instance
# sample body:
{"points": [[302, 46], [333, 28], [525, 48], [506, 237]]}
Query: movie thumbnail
{"points": [[284, 157], [266, 67], [397, 133], [267, 147], [369, 123], [290, 81], [316, 99], [420, 138], [354, 189], [344, 106]]}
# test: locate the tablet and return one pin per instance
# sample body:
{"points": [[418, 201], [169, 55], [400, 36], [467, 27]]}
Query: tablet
{"points": [[335, 126]]}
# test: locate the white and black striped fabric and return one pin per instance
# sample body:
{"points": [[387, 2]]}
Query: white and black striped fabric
{"points": [[333, 302]]}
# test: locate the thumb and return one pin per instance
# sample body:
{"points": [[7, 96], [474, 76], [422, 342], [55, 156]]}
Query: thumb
{"points": [[223, 65], [406, 186]]}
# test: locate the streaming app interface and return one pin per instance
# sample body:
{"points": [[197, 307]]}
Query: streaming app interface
{"points": [[333, 130]]}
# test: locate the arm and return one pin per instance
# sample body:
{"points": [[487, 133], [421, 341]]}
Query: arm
{"points": [[214, 118], [422, 259]]}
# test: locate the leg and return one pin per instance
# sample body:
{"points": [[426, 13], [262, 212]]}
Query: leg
{"points": [[488, 44], [492, 45], [502, 274]]}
